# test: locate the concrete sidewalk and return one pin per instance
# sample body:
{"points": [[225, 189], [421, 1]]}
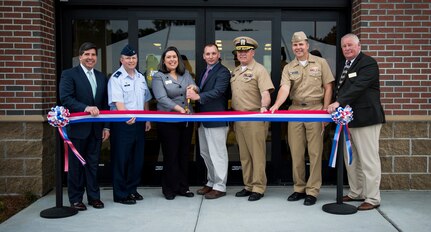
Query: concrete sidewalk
{"points": [[400, 211]]}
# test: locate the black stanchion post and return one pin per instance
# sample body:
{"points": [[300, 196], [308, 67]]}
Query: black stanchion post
{"points": [[59, 211], [339, 207]]}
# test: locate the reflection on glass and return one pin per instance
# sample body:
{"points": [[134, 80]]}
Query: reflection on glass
{"points": [[110, 36], [225, 32], [156, 35], [321, 36]]}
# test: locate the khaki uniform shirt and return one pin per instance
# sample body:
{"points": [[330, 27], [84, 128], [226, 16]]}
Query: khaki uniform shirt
{"points": [[306, 83], [247, 86]]}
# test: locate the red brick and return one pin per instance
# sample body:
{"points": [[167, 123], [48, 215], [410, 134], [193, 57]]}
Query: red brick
{"points": [[24, 94], [392, 106], [401, 112], [395, 24]]}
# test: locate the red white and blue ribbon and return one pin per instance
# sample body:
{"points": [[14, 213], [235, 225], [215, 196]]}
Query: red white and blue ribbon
{"points": [[342, 117], [231, 116], [59, 117]]}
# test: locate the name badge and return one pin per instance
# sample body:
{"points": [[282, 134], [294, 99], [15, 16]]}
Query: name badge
{"points": [[168, 82], [353, 74]]}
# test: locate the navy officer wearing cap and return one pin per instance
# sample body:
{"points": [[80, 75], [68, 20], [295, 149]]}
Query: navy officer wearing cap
{"points": [[307, 80], [251, 87], [128, 90]]}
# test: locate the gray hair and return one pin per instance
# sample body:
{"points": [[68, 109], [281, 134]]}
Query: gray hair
{"points": [[353, 36]]}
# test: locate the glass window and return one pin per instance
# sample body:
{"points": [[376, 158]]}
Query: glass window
{"points": [[110, 36], [227, 30], [156, 35], [321, 36]]}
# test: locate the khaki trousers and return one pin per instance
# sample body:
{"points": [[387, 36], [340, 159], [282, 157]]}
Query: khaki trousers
{"points": [[308, 135], [212, 143], [365, 172], [251, 138]]}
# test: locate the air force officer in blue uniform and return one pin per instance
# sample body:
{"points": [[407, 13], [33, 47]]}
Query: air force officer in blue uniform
{"points": [[83, 89], [128, 90]]}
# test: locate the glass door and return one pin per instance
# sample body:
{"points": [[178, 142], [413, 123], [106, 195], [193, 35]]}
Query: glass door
{"points": [[151, 30], [222, 28], [155, 34]]}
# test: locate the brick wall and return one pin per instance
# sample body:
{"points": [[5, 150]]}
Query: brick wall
{"points": [[398, 34], [27, 57], [27, 91]]}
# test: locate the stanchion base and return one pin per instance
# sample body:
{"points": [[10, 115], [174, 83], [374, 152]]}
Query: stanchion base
{"points": [[342, 208], [58, 212]]}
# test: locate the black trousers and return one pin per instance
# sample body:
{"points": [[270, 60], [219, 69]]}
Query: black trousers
{"points": [[127, 157], [176, 142], [79, 177]]}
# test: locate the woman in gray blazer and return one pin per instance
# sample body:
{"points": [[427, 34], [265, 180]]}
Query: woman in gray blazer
{"points": [[169, 86]]}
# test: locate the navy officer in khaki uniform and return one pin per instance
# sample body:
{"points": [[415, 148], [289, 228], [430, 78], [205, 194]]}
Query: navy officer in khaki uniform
{"points": [[308, 81], [251, 87]]}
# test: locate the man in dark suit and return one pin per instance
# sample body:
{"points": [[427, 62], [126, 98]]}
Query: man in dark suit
{"points": [[358, 86], [213, 96], [84, 89]]}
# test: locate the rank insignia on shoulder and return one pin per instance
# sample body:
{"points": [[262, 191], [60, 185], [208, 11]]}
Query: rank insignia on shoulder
{"points": [[117, 74]]}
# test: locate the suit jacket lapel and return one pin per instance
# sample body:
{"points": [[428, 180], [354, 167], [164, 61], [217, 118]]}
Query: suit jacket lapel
{"points": [[210, 74]]}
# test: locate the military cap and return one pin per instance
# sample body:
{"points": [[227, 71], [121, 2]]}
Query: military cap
{"points": [[299, 36], [244, 43], [128, 51]]}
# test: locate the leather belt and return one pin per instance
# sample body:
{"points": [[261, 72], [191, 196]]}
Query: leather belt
{"points": [[306, 103]]}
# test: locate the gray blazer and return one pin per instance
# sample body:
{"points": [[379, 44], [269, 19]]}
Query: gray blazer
{"points": [[170, 92]]}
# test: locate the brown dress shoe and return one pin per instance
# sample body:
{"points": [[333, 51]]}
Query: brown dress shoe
{"points": [[204, 190], [79, 206], [97, 204], [214, 194], [346, 198], [367, 206]]}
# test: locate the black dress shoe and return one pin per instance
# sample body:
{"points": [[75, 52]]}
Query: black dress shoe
{"points": [[98, 204], [126, 201], [296, 196], [170, 196], [310, 200], [243, 193], [255, 196], [187, 194], [136, 196], [79, 206]]}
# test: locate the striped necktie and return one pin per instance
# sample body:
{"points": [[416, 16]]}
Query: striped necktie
{"points": [[343, 75]]}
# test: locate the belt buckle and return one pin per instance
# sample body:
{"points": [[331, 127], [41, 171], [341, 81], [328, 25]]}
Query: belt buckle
{"points": [[303, 104]]}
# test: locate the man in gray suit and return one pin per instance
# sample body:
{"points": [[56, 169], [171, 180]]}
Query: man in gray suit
{"points": [[213, 96]]}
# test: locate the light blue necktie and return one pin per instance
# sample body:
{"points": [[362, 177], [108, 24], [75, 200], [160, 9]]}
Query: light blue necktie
{"points": [[92, 82]]}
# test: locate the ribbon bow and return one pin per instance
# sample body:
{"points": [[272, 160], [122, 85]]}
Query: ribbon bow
{"points": [[59, 117], [342, 117]]}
